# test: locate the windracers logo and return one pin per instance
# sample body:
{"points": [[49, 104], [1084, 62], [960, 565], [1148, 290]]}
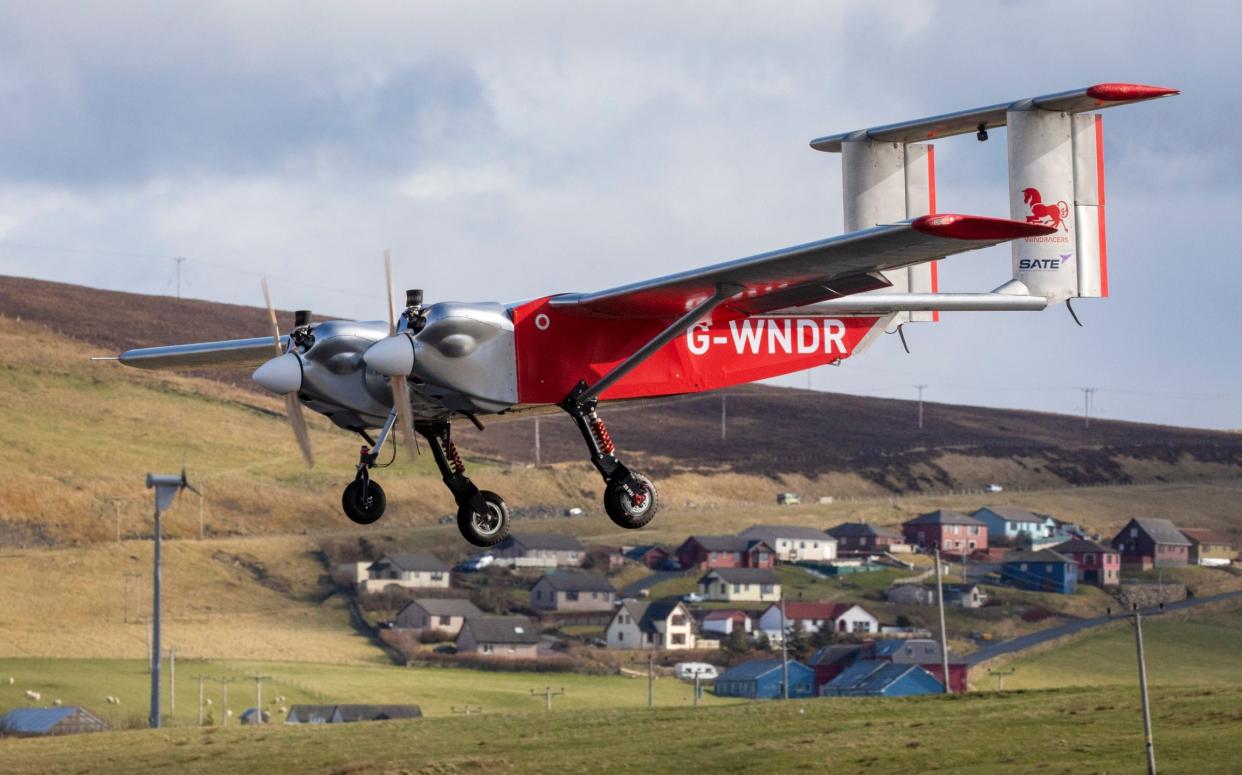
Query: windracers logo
{"points": [[1052, 214], [1043, 264], [768, 336]]}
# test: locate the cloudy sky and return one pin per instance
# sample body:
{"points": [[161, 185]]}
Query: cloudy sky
{"points": [[509, 150]]}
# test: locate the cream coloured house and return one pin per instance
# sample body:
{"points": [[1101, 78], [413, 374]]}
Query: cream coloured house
{"points": [[663, 624], [405, 571], [740, 585]]}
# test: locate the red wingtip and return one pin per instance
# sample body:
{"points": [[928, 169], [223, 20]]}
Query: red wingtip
{"points": [[978, 227], [1127, 92]]}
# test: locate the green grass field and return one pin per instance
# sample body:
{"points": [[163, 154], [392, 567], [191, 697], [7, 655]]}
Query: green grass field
{"points": [[1083, 730]]}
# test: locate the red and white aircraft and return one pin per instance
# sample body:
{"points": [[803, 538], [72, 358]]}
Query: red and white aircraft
{"points": [[705, 328]]}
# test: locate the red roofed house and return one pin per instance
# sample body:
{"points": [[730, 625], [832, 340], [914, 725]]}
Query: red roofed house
{"points": [[812, 617], [725, 622]]}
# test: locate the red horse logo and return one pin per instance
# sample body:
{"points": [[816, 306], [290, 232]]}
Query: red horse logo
{"points": [[1053, 215]]}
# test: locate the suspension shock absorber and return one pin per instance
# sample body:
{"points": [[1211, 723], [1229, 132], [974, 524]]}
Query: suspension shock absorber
{"points": [[454, 456], [602, 436]]}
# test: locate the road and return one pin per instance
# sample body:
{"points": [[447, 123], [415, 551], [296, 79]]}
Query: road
{"points": [[1014, 645]]}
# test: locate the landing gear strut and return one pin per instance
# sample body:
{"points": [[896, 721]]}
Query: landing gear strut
{"points": [[363, 499], [482, 515], [629, 498]]}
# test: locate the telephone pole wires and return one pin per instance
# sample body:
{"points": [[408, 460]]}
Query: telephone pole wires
{"points": [[201, 699], [1088, 405], [548, 694], [920, 388], [1000, 677], [944, 641]]}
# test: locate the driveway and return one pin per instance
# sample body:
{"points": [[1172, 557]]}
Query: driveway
{"points": [[1014, 645]]}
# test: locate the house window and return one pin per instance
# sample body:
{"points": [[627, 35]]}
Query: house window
{"points": [[862, 626], [1048, 567], [539, 594], [1134, 532], [620, 635], [763, 557], [974, 530], [446, 620], [802, 544], [487, 648], [679, 620], [678, 639], [437, 576], [862, 542], [737, 588], [713, 556], [1088, 558], [737, 556], [571, 595], [766, 589]]}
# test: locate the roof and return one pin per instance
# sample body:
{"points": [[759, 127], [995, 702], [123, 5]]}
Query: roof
{"points": [[1013, 513], [867, 676], [836, 655], [502, 629], [814, 610], [721, 615], [638, 552], [412, 562], [1081, 546], [553, 541], [646, 614], [770, 533], [378, 712], [577, 582], [445, 606], [943, 517], [854, 529], [913, 647], [743, 575], [724, 543], [34, 721], [1162, 531], [1202, 535], [1043, 555], [305, 713], [755, 668]]}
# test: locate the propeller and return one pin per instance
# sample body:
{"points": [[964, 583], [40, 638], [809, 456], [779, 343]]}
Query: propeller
{"points": [[283, 375], [399, 381]]}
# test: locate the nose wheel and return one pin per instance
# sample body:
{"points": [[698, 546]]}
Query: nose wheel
{"points": [[631, 503], [363, 501]]}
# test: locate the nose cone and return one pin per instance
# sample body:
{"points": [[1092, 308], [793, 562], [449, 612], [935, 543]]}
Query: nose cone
{"points": [[282, 374], [392, 356]]}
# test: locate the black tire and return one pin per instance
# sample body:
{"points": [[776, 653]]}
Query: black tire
{"points": [[622, 508], [363, 511], [486, 529]]}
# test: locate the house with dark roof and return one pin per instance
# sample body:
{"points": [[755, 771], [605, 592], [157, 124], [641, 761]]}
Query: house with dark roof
{"points": [[949, 531], [1207, 547], [1097, 564], [763, 679], [924, 652], [40, 722], [660, 624], [1147, 542], [958, 595], [811, 617], [447, 614], [726, 621], [1042, 571], [794, 543], [704, 552], [539, 550], [878, 678], [740, 585], [649, 555], [829, 661], [1016, 524], [406, 571], [572, 591], [512, 637], [867, 538]]}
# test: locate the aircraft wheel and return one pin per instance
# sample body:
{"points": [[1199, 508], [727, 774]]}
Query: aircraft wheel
{"points": [[360, 509], [488, 528], [631, 509]]}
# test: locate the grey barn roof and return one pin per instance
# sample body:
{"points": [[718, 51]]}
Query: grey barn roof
{"points": [[350, 713], [302, 714], [724, 543], [1013, 513], [943, 517], [445, 606], [855, 529], [552, 541], [743, 575], [502, 629], [1162, 531], [412, 562], [577, 582], [770, 533], [1082, 545]]}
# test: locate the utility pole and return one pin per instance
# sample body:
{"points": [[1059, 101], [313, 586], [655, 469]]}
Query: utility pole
{"points": [[920, 389], [224, 700], [548, 694], [650, 680], [724, 415], [202, 498], [1137, 616], [258, 693], [116, 507], [944, 641], [172, 681], [467, 710], [200, 678], [784, 653], [538, 450], [1088, 401], [127, 577], [180, 260], [166, 489], [698, 688], [1000, 677]]}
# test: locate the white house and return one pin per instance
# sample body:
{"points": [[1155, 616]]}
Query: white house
{"points": [[725, 622], [1012, 522], [663, 624], [745, 585], [406, 571], [795, 544], [814, 617]]}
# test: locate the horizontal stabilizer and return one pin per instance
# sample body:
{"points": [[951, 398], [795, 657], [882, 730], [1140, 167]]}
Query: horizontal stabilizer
{"points": [[1101, 95]]}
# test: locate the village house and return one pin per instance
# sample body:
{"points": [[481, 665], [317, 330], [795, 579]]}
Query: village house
{"points": [[740, 585], [812, 617], [726, 622], [446, 614], [1042, 571], [704, 552], [763, 679], [949, 531], [1207, 547], [539, 550], [877, 678], [795, 544], [663, 624], [653, 557], [924, 652], [957, 595], [570, 592], [1147, 542], [406, 571], [513, 637], [867, 538], [1015, 524], [1097, 564], [40, 722]]}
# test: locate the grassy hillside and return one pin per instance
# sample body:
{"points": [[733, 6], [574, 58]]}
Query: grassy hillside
{"points": [[1066, 731]]}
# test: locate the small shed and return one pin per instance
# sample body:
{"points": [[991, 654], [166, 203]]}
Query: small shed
{"points": [[761, 679], [38, 722]]}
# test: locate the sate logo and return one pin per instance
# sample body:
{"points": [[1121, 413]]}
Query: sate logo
{"points": [[1053, 214], [1029, 264]]}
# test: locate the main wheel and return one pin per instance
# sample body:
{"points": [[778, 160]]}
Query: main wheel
{"points": [[488, 528], [363, 509], [631, 508]]}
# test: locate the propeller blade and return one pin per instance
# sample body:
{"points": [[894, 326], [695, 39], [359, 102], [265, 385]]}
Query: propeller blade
{"points": [[271, 315], [293, 408], [392, 310], [401, 399]]}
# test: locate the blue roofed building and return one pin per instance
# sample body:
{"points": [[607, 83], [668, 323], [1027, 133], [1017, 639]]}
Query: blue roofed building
{"points": [[66, 720], [761, 679], [877, 678], [1042, 571]]}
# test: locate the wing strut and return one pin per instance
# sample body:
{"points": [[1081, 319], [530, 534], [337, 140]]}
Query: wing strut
{"points": [[584, 393]]}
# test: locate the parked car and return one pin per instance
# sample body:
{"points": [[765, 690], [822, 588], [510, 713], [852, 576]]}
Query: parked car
{"points": [[993, 487], [475, 564], [576, 511], [693, 597], [686, 671], [788, 499]]}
